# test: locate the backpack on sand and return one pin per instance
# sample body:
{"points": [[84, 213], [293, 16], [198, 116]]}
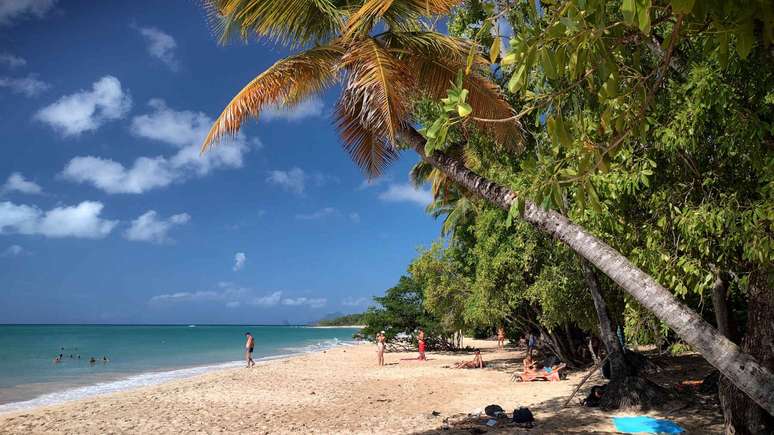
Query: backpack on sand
{"points": [[523, 416]]}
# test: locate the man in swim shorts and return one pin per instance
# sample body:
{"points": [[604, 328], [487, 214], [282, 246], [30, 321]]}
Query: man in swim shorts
{"points": [[249, 345]]}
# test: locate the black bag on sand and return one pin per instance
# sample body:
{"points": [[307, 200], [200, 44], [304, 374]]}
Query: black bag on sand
{"points": [[595, 396], [523, 416], [494, 411]]}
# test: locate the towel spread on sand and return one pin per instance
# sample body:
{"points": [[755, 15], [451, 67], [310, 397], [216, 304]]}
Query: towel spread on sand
{"points": [[643, 424]]}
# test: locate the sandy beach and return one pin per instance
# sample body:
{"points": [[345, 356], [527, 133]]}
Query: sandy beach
{"points": [[343, 391]]}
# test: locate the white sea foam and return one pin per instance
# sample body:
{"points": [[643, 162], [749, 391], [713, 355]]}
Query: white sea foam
{"points": [[153, 378], [320, 346]]}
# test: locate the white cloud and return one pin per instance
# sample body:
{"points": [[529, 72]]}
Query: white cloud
{"points": [[354, 302], [239, 261], [310, 108], [17, 183], [374, 182], [149, 228], [11, 9], [311, 302], [178, 128], [29, 86], [87, 110], [11, 60], [232, 296], [406, 193], [13, 251], [268, 300], [354, 217], [112, 177], [161, 45], [185, 130], [319, 214], [293, 180], [82, 220]]}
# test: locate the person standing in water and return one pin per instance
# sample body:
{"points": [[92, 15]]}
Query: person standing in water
{"points": [[249, 345], [421, 340], [500, 338], [380, 339]]}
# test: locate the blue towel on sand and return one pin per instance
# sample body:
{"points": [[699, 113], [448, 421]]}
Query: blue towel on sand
{"points": [[645, 424]]}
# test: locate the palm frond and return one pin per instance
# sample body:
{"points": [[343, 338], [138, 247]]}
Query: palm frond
{"points": [[367, 150], [286, 82], [371, 12], [378, 88], [292, 22], [437, 59], [420, 173]]}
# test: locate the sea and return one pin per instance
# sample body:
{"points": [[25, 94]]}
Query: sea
{"points": [[128, 357]]}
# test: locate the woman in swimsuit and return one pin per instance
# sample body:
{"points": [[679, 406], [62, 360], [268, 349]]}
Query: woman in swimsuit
{"points": [[500, 338], [380, 347]]}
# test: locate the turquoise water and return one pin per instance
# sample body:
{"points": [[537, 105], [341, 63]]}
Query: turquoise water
{"points": [[138, 356]]}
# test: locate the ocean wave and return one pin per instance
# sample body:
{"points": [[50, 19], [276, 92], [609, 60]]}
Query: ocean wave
{"points": [[319, 346], [154, 378], [132, 382]]}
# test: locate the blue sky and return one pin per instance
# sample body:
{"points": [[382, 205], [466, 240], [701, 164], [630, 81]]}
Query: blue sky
{"points": [[109, 215]]}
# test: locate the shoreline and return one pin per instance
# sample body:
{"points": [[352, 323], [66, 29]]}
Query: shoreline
{"points": [[129, 381]]}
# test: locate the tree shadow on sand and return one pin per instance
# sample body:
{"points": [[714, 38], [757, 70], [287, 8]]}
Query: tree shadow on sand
{"points": [[695, 412]]}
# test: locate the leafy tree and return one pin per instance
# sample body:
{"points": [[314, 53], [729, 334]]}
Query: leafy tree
{"points": [[346, 320], [400, 313]]}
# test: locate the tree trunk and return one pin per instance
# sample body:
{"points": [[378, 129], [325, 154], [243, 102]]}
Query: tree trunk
{"points": [[742, 415], [618, 369], [626, 388], [723, 318], [742, 369]]}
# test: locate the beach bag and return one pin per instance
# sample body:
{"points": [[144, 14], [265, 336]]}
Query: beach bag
{"points": [[592, 401], [494, 411], [523, 416]]}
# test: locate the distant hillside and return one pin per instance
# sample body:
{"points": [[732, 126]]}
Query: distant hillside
{"points": [[346, 320]]}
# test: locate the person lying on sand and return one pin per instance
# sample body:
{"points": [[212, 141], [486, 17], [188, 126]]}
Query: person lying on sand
{"points": [[532, 373], [477, 363]]}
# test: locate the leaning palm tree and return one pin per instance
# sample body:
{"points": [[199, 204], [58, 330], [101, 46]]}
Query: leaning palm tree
{"points": [[384, 55]]}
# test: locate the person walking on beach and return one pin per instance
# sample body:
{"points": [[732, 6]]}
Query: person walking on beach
{"points": [[500, 338], [249, 345], [380, 339], [421, 340]]}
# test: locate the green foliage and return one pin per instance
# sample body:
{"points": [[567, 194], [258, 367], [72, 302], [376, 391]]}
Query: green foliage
{"points": [[400, 313], [346, 320], [653, 125]]}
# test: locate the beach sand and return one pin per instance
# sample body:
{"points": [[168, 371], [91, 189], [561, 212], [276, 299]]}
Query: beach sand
{"points": [[343, 391]]}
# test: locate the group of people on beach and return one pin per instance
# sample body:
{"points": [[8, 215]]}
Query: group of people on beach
{"points": [[92, 361], [381, 341], [532, 371]]}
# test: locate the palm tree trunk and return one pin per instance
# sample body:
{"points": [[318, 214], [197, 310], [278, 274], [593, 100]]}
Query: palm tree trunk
{"points": [[741, 369]]}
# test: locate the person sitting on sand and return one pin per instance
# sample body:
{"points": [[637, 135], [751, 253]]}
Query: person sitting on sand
{"points": [[249, 345], [477, 363], [380, 339]]}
